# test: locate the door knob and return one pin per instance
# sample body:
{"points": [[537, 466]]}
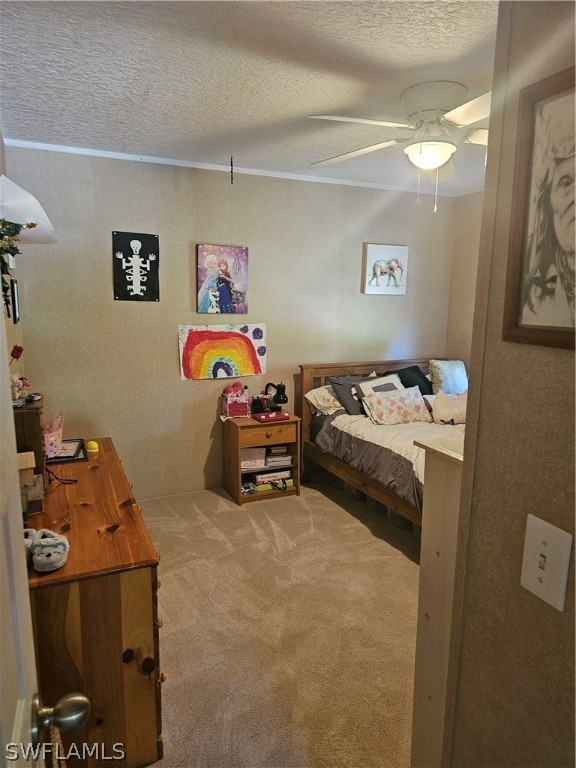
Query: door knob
{"points": [[70, 712]]}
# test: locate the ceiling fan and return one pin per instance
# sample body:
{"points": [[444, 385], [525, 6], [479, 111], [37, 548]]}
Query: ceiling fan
{"points": [[438, 121]]}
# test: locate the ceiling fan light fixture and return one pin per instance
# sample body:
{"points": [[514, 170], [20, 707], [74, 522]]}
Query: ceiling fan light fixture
{"points": [[429, 155]]}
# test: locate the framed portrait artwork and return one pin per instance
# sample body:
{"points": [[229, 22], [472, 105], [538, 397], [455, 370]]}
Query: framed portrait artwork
{"points": [[384, 269], [222, 279], [539, 297]]}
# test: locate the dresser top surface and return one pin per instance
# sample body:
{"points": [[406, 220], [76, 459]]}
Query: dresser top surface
{"points": [[99, 516]]}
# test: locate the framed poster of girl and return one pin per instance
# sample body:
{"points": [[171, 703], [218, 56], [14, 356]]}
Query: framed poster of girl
{"points": [[539, 298]]}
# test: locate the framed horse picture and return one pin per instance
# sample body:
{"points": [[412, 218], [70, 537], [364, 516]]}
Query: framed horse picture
{"points": [[384, 269]]}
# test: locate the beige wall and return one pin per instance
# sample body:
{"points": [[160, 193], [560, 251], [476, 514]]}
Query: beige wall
{"points": [[113, 366], [468, 215], [514, 674]]}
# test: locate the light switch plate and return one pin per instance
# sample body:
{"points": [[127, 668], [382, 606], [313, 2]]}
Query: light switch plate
{"points": [[546, 561]]}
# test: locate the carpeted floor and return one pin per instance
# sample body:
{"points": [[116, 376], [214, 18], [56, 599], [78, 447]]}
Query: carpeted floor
{"points": [[289, 631]]}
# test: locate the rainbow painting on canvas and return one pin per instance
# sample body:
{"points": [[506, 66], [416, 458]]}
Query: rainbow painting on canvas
{"points": [[221, 351]]}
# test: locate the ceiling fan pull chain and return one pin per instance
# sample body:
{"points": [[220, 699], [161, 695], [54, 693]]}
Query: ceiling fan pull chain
{"points": [[231, 169], [418, 201], [436, 193]]}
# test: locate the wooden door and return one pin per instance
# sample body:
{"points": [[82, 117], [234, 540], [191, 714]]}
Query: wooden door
{"points": [[17, 661]]}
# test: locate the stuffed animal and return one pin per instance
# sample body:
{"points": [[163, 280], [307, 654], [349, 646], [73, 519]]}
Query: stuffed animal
{"points": [[233, 389], [49, 550], [18, 386]]}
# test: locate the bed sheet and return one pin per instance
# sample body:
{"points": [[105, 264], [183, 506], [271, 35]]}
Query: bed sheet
{"points": [[384, 453]]}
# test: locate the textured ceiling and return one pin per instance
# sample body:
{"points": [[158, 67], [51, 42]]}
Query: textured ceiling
{"points": [[194, 82]]}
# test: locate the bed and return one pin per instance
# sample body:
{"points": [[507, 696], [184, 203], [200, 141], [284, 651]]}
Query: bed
{"points": [[391, 470]]}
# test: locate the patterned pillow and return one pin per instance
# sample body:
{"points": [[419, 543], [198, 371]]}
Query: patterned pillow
{"points": [[323, 400], [400, 407], [384, 383], [448, 376]]}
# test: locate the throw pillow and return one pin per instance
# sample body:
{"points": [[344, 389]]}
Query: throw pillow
{"points": [[344, 390], [448, 376], [450, 409], [386, 383], [402, 406], [323, 400], [413, 376]]}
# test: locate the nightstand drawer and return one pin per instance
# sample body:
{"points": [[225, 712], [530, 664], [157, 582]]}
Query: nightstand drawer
{"points": [[269, 434]]}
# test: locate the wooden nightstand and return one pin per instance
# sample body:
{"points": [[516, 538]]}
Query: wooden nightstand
{"points": [[248, 433]]}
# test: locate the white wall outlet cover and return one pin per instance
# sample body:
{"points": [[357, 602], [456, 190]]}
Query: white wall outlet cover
{"points": [[546, 561]]}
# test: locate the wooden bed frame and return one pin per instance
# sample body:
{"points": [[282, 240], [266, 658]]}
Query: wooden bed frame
{"points": [[317, 375]]}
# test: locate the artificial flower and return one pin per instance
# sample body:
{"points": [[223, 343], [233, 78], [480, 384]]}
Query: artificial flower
{"points": [[16, 353]]}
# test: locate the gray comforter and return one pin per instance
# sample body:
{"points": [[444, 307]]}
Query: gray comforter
{"points": [[379, 463]]}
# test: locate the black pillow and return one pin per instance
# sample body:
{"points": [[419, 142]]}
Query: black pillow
{"points": [[413, 376], [342, 386]]}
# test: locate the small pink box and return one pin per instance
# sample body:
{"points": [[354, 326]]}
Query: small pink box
{"points": [[235, 405]]}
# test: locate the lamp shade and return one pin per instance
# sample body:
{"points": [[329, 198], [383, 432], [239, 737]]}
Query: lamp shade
{"points": [[428, 155], [20, 207]]}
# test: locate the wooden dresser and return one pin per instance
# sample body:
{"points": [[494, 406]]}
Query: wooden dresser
{"points": [[95, 619], [28, 426]]}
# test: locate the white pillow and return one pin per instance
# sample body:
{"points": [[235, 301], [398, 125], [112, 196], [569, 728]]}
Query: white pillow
{"points": [[387, 383], [450, 409], [448, 376], [323, 400], [402, 406]]}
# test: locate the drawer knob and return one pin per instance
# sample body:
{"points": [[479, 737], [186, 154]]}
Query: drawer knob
{"points": [[268, 433], [162, 677], [158, 623], [158, 584]]}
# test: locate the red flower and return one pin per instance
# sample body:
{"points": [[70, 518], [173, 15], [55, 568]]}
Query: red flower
{"points": [[16, 352]]}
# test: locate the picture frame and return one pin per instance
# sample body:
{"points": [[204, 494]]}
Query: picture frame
{"points": [[15, 300], [221, 279], [71, 450], [384, 269], [539, 302]]}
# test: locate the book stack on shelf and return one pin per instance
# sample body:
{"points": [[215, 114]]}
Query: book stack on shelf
{"points": [[278, 456], [278, 472], [252, 458]]}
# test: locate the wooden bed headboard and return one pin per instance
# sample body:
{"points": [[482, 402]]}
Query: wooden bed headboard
{"points": [[314, 375]]}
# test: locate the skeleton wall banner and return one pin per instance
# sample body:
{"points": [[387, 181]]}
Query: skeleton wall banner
{"points": [[135, 263]]}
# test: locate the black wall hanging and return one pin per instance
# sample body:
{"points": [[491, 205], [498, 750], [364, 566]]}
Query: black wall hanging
{"points": [[135, 261]]}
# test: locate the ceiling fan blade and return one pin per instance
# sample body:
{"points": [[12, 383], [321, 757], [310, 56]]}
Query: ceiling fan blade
{"points": [[471, 111], [357, 152], [365, 121], [478, 136]]}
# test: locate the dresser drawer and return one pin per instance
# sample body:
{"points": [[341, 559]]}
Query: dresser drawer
{"points": [[269, 434]]}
